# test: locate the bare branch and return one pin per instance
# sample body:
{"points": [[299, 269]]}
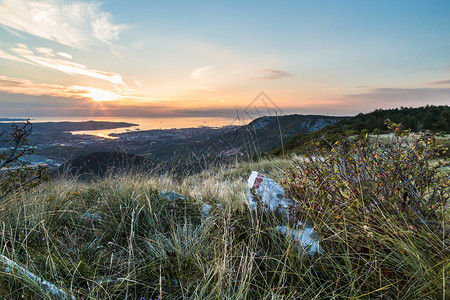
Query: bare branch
{"points": [[18, 136]]}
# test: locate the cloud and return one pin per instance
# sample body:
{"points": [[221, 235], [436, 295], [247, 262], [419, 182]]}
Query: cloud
{"points": [[45, 51], [26, 105], [199, 73], [404, 93], [48, 60], [104, 30], [21, 97], [57, 105], [392, 98], [8, 56], [97, 94], [27, 87], [440, 82], [139, 83], [378, 98], [75, 24], [272, 74], [64, 54]]}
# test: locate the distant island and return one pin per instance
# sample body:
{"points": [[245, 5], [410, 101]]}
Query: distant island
{"points": [[49, 127], [12, 119]]}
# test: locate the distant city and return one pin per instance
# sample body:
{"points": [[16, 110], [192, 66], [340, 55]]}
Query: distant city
{"points": [[54, 143]]}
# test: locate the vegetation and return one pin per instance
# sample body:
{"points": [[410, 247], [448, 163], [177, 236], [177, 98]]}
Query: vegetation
{"points": [[384, 208], [381, 211], [14, 175], [432, 118]]}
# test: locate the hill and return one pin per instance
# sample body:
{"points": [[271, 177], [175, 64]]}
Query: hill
{"points": [[434, 118], [263, 134]]}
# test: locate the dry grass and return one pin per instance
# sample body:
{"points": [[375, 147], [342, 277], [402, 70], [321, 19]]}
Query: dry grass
{"points": [[117, 238]]}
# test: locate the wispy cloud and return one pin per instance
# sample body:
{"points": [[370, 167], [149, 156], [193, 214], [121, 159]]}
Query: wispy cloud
{"points": [[65, 55], [200, 72], [440, 82], [45, 51], [139, 83], [8, 56], [272, 74], [27, 87], [75, 24], [47, 59]]}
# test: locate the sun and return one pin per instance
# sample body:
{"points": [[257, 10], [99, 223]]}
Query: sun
{"points": [[99, 95]]}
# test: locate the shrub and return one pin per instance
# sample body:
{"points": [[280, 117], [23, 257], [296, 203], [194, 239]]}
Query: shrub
{"points": [[401, 178], [381, 211]]}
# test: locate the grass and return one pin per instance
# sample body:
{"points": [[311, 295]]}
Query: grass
{"points": [[117, 238]]}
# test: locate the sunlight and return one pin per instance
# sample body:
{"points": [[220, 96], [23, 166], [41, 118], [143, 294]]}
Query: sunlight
{"points": [[98, 133], [99, 95]]}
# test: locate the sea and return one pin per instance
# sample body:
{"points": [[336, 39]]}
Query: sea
{"points": [[144, 123]]}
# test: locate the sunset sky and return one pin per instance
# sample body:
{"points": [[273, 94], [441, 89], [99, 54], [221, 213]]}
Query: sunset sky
{"points": [[210, 58]]}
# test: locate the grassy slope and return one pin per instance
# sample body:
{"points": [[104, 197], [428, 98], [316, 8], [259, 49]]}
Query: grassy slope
{"points": [[145, 246]]}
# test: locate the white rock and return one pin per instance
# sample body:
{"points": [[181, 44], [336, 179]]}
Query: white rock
{"points": [[49, 288], [270, 193], [272, 197], [306, 238]]}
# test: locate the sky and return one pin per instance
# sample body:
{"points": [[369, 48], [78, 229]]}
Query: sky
{"points": [[116, 58]]}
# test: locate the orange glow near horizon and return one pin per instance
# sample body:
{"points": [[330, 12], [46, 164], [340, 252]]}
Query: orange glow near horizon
{"points": [[99, 95]]}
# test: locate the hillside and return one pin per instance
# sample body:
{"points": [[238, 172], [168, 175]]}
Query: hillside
{"points": [[232, 143], [263, 134], [434, 118], [100, 164], [382, 234]]}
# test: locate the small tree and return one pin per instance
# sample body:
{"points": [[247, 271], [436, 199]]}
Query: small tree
{"points": [[14, 174]]}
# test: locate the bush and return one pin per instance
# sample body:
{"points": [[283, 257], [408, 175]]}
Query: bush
{"points": [[381, 210], [401, 178]]}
